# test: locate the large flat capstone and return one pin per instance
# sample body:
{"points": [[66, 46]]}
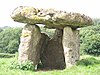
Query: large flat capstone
{"points": [[50, 17]]}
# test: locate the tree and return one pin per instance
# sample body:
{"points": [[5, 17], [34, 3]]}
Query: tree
{"points": [[90, 40], [9, 40]]}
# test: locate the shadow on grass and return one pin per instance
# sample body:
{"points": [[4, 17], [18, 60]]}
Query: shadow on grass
{"points": [[88, 62], [6, 55]]}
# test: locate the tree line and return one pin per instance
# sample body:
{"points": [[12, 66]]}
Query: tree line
{"points": [[9, 39]]}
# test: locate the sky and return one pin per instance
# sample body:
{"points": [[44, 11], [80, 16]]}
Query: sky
{"points": [[88, 7]]}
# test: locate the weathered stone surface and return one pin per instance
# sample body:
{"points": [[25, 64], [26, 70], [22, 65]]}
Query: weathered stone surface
{"points": [[77, 43], [44, 41], [51, 18], [29, 48], [71, 46], [53, 55]]}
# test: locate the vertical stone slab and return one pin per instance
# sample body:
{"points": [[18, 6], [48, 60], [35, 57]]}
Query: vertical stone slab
{"points": [[29, 48], [53, 55], [77, 41], [71, 46]]}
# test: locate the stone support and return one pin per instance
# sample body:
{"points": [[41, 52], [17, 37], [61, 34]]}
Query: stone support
{"points": [[71, 46], [29, 48]]}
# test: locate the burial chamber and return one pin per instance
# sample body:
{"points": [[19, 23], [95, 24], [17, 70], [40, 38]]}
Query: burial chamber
{"points": [[62, 50]]}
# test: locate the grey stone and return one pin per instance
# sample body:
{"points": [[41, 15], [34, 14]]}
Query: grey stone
{"points": [[29, 48], [71, 46], [50, 17], [77, 43]]}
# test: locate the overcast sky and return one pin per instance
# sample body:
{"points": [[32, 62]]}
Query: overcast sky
{"points": [[88, 7]]}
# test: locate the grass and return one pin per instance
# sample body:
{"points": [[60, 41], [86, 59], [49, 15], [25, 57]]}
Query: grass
{"points": [[92, 68]]}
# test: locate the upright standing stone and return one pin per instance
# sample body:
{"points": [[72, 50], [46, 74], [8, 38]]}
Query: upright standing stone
{"points": [[29, 48], [77, 41], [53, 55], [71, 46]]}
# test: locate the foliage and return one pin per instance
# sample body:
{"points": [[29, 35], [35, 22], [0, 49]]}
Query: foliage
{"points": [[27, 65], [49, 32], [9, 40], [90, 40], [5, 55]]}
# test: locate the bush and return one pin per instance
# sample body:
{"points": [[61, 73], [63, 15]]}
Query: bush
{"points": [[28, 65], [9, 40], [90, 40], [49, 32]]}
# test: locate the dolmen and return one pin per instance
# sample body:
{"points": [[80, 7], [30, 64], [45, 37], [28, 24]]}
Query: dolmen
{"points": [[59, 52]]}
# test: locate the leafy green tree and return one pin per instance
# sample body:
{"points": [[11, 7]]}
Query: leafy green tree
{"points": [[9, 40], [90, 40]]}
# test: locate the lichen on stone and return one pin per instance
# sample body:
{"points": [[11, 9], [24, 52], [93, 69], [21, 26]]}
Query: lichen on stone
{"points": [[50, 17]]}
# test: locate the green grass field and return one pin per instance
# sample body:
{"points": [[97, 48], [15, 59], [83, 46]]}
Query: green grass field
{"points": [[88, 65]]}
